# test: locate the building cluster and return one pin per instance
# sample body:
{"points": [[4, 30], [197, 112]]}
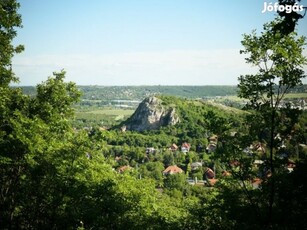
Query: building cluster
{"points": [[209, 173]]}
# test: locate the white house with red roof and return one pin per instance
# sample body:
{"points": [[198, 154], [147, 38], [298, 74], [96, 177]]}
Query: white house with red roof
{"points": [[185, 147]]}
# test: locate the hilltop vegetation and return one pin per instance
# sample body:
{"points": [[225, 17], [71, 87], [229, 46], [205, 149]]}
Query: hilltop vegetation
{"points": [[140, 92], [198, 120]]}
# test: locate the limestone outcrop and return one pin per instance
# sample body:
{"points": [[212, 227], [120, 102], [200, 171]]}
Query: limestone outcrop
{"points": [[151, 115]]}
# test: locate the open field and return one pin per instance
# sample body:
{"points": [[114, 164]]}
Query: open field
{"points": [[296, 95], [112, 112], [105, 116]]}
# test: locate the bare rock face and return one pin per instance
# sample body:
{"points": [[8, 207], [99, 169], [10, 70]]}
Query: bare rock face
{"points": [[151, 115]]}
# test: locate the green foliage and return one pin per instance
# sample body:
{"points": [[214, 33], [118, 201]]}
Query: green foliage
{"points": [[199, 120], [53, 176], [175, 181], [280, 62], [268, 126], [55, 98], [9, 20], [152, 170]]}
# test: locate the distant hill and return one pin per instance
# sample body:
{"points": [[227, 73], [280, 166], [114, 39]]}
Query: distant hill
{"points": [[141, 92]]}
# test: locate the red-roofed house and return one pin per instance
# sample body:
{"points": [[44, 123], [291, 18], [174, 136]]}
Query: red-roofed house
{"points": [[185, 147], [212, 181], [124, 168], [172, 169], [226, 173], [256, 183]]}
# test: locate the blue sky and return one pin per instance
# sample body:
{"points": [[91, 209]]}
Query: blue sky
{"points": [[138, 42]]}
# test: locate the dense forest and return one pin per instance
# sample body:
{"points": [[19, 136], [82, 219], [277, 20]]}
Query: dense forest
{"points": [[218, 167]]}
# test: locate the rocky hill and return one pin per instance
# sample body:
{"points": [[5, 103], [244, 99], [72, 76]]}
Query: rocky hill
{"points": [[151, 115]]}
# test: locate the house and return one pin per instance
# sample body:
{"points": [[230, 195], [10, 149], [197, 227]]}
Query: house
{"points": [[117, 158], [123, 128], [256, 183], [150, 150], [209, 173], [123, 168], [212, 182], [226, 173], [196, 165], [259, 148], [255, 148], [173, 147], [213, 139], [258, 162], [234, 163], [185, 147], [102, 128], [172, 169], [290, 165], [211, 147], [248, 151]]}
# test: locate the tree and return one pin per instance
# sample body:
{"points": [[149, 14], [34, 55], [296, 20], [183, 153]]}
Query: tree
{"points": [[175, 181], [30, 141], [279, 59], [38, 155], [9, 20], [54, 100], [289, 20], [9, 99], [53, 177], [153, 170]]}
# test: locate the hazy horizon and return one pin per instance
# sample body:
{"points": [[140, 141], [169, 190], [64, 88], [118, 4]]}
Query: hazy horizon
{"points": [[19, 85]]}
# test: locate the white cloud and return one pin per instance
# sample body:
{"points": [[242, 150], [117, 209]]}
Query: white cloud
{"points": [[178, 67]]}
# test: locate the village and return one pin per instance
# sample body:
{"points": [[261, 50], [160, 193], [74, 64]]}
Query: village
{"points": [[204, 172]]}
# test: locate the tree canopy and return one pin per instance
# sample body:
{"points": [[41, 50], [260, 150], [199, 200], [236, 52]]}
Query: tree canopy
{"points": [[55, 176]]}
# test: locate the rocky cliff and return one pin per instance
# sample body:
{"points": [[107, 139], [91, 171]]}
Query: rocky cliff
{"points": [[151, 115]]}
